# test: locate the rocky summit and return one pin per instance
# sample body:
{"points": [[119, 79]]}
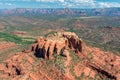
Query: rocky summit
{"points": [[61, 56], [57, 43]]}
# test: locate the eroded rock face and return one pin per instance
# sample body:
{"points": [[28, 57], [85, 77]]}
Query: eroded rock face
{"points": [[45, 47], [106, 64], [22, 66]]}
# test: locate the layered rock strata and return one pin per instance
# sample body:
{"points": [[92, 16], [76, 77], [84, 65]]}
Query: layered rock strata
{"points": [[57, 43]]}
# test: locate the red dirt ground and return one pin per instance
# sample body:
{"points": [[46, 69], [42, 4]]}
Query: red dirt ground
{"points": [[6, 45]]}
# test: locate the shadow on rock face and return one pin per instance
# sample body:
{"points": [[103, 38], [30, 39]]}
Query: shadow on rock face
{"points": [[45, 47]]}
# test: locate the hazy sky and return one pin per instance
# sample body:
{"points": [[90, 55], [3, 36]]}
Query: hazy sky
{"points": [[59, 3]]}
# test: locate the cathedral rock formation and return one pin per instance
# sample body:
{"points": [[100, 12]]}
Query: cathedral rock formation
{"points": [[57, 43]]}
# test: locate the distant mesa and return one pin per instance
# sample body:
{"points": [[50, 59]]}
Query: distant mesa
{"points": [[63, 11], [19, 32]]}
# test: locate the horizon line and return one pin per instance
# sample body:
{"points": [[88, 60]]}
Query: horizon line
{"points": [[59, 8]]}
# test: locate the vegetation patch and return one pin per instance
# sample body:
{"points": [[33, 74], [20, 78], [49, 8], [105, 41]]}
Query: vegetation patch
{"points": [[14, 38], [59, 63]]}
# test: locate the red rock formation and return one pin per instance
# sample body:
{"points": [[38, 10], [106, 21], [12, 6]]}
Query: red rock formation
{"points": [[21, 67], [46, 47], [104, 63], [24, 65]]}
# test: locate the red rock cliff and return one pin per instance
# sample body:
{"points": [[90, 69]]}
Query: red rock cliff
{"points": [[45, 47]]}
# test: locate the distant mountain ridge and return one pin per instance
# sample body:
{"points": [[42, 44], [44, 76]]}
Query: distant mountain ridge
{"points": [[64, 11]]}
